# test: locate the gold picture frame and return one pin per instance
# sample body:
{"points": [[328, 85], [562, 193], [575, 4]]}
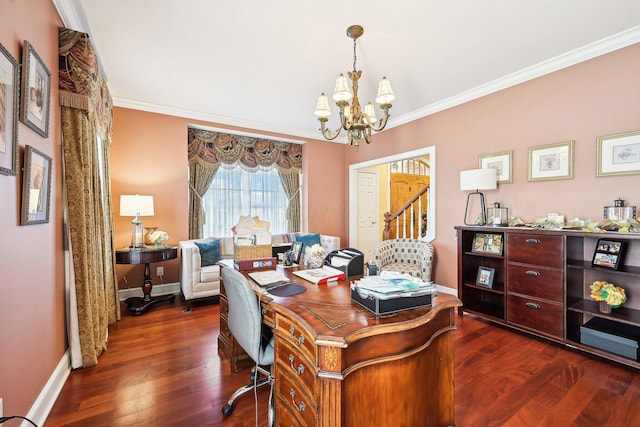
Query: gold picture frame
{"points": [[9, 100], [618, 154], [36, 187], [501, 162], [551, 161], [36, 91]]}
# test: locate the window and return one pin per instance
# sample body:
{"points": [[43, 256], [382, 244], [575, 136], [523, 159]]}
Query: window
{"points": [[235, 192]]}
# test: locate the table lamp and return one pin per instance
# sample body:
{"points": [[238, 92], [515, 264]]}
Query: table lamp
{"points": [[136, 205], [475, 180]]}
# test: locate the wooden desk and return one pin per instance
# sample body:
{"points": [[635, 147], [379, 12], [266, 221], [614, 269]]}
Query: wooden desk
{"points": [[146, 256], [338, 365]]}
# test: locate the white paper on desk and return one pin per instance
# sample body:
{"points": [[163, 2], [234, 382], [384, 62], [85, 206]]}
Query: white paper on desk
{"points": [[339, 262], [266, 277]]}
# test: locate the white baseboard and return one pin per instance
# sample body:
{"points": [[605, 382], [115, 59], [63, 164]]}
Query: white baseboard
{"points": [[47, 398], [447, 290], [163, 289]]}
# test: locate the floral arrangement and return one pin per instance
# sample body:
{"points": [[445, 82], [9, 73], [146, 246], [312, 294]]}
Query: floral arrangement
{"points": [[315, 251], [613, 295]]}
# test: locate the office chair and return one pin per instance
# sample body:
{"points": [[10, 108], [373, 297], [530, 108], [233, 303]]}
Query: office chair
{"points": [[245, 323]]}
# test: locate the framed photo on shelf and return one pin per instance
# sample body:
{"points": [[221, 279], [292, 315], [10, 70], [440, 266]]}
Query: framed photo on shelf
{"points": [[608, 253], [502, 163], [618, 154], [485, 277], [36, 187], [487, 243], [553, 161], [296, 251], [36, 91], [9, 98]]}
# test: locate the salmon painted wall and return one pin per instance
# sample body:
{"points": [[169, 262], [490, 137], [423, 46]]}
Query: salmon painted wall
{"points": [[149, 156], [32, 325], [580, 103]]}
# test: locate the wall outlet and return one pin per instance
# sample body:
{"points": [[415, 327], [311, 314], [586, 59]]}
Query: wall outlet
{"points": [[160, 272]]}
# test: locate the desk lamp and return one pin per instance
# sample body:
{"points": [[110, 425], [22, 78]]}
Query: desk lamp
{"points": [[475, 180], [136, 205]]}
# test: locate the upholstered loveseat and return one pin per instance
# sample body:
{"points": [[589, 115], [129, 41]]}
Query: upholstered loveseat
{"points": [[203, 282], [413, 256]]}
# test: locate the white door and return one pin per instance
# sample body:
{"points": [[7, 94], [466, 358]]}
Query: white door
{"points": [[368, 208]]}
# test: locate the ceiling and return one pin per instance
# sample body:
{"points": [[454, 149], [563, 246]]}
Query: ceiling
{"points": [[262, 64]]}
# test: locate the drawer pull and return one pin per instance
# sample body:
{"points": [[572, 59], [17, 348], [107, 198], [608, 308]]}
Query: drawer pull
{"points": [[300, 369], [533, 241], [299, 340], [533, 305], [532, 273], [293, 400]]}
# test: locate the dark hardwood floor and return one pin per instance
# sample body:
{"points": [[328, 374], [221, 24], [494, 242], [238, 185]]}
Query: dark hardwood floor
{"points": [[163, 369]]}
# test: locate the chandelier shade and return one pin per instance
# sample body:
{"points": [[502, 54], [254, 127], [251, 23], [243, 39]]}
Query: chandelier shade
{"points": [[357, 123]]}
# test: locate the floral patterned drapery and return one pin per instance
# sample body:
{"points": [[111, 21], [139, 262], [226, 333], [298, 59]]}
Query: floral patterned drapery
{"points": [[208, 149], [86, 113]]}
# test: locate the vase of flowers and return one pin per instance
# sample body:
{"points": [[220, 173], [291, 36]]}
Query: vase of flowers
{"points": [[609, 295], [314, 256]]}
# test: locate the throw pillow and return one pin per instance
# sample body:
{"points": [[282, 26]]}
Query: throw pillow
{"points": [[308, 240], [209, 252]]}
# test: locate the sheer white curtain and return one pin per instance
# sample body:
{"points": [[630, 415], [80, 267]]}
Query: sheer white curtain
{"points": [[236, 191]]}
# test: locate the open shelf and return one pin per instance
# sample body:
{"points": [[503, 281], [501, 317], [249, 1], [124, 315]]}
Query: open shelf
{"points": [[498, 287], [621, 314]]}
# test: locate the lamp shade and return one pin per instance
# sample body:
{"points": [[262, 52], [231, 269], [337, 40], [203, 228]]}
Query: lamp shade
{"points": [[136, 204], [478, 179], [322, 107]]}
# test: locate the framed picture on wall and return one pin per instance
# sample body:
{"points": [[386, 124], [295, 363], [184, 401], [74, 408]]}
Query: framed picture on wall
{"points": [[9, 97], [553, 161], [36, 91], [36, 187], [502, 163], [618, 154]]}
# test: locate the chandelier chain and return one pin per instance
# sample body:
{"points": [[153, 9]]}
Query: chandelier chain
{"points": [[354, 55]]}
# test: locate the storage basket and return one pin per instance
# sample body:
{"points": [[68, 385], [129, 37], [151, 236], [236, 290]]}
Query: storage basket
{"points": [[252, 251]]}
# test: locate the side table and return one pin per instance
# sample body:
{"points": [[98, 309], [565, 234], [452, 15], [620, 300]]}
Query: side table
{"points": [[146, 256]]}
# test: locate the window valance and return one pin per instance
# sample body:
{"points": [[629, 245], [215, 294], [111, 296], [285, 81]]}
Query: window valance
{"points": [[251, 153], [82, 84]]}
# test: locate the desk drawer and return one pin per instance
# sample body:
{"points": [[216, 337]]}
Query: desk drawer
{"points": [[295, 399], [535, 281], [541, 316], [297, 337], [292, 362], [284, 416], [538, 249]]}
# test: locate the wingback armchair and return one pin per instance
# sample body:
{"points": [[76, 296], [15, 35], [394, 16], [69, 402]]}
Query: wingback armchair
{"points": [[413, 256]]}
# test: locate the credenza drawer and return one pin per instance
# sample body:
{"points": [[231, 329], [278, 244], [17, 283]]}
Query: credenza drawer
{"points": [[538, 249], [543, 317], [294, 364], [295, 398], [297, 337], [535, 281]]}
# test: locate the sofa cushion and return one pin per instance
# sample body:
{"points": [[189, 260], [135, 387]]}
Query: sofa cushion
{"points": [[308, 240], [210, 273], [209, 252]]}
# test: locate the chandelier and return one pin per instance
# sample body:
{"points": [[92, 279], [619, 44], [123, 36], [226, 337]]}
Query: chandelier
{"points": [[357, 123]]}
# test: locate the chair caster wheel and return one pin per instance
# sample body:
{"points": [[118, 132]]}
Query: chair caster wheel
{"points": [[227, 410]]}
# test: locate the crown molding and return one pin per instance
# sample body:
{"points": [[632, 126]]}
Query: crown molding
{"points": [[576, 56]]}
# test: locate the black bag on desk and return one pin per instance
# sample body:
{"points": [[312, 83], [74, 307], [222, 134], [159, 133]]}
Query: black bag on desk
{"points": [[349, 260]]}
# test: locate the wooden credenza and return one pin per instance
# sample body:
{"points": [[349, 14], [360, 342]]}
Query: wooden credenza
{"points": [[541, 282], [337, 364]]}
